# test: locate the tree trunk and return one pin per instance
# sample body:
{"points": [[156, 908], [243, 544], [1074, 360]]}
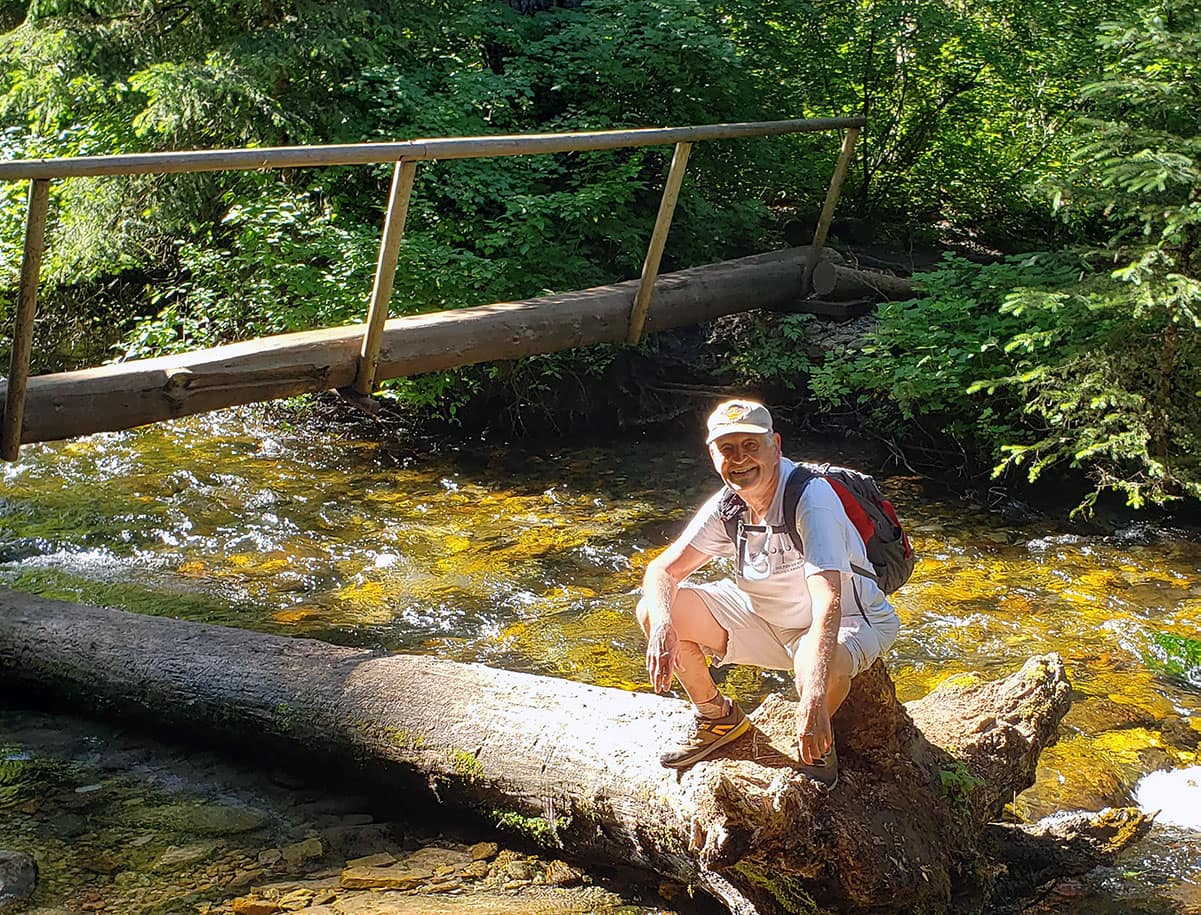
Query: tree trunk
{"points": [[576, 766], [128, 394], [835, 281]]}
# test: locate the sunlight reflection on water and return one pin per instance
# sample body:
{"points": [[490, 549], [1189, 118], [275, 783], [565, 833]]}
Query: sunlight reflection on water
{"points": [[531, 560]]}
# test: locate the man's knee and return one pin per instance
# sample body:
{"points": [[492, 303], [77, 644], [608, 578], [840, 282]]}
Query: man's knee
{"points": [[842, 665], [691, 617], [863, 648], [839, 671]]}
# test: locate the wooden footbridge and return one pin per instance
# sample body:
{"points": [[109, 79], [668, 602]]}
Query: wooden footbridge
{"points": [[128, 394]]}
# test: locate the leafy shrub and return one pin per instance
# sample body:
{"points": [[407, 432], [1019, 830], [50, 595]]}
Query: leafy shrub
{"points": [[1115, 380], [1090, 361], [770, 350], [916, 370], [277, 265]]}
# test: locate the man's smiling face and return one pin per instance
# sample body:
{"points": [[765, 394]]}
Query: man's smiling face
{"points": [[749, 463]]}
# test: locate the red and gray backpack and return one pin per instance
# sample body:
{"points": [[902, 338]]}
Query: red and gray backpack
{"points": [[888, 547]]}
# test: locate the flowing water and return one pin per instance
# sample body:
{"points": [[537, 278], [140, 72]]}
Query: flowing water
{"points": [[530, 560]]}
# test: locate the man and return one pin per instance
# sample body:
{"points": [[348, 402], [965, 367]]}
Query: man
{"points": [[805, 613]]}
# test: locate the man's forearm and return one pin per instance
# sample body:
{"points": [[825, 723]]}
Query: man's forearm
{"points": [[659, 590], [817, 645]]}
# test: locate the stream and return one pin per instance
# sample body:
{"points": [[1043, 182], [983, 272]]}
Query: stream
{"points": [[528, 559]]}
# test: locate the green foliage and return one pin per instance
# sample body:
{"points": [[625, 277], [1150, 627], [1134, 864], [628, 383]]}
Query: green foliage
{"points": [[916, 369], [960, 99], [964, 105], [468, 765], [772, 350], [232, 256], [956, 782], [122, 76], [282, 714], [1114, 381], [1137, 159], [1091, 360], [436, 393], [1111, 384], [1176, 656], [790, 892], [535, 828], [278, 265]]}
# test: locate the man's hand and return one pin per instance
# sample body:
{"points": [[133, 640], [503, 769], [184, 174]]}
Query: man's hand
{"points": [[662, 657], [660, 585], [814, 735], [812, 666]]}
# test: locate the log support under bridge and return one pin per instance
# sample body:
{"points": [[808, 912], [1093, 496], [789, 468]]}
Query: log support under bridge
{"points": [[128, 394]]}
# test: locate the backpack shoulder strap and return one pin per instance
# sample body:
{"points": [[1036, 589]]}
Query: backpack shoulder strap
{"points": [[730, 508], [794, 488]]}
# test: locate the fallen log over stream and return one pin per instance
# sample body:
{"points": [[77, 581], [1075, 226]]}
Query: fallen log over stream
{"points": [[576, 766], [127, 394]]}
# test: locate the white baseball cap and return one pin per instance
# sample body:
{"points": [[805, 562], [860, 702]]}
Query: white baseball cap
{"points": [[738, 416]]}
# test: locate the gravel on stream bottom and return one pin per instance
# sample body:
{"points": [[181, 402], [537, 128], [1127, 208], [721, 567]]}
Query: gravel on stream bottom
{"points": [[120, 823]]}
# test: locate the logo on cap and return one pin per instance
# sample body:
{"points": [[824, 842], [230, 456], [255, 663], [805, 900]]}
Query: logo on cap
{"points": [[739, 416]]}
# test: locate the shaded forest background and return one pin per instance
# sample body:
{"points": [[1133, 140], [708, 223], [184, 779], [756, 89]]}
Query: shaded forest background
{"points": [[1060, 142]]}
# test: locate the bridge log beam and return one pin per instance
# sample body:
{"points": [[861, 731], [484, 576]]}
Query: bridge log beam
{"points": [[129, 394], [838, 282]]}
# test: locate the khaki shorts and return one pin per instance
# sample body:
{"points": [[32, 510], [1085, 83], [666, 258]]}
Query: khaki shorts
{"points": [[753, 640]]}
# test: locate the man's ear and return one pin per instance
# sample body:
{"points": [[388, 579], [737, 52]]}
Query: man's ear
{"points": [[779, 442]]}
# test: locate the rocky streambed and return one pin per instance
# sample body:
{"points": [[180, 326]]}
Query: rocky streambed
{"points": [[114, 822], [479, 878]]}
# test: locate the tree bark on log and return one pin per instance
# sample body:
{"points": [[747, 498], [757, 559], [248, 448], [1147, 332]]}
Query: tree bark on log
{"points": [[128, 394], [839, 282], [576, 766], [1034, 856]]}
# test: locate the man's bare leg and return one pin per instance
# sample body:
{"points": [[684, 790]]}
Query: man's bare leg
{"points": [[695, 626], [824, 765], [838, 682], [719, 721]]}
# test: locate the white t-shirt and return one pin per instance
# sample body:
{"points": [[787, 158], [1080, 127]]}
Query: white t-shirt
{"points": [[774, 574]]}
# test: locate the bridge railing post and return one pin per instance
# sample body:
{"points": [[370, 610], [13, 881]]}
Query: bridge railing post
{"points": [[27, 303], [44, 405], [654, 251], [827, 215], [385, 273]]}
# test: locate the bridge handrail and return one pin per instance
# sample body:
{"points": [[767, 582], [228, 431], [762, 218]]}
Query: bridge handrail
{"points": [[420, 150], [405, 154]]}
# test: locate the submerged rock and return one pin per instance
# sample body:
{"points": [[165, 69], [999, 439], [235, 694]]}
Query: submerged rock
{"points": [[483, 851], [299, 852], [380, 859], [1178, 733], [560, 873], [177, 857], [433, 857], [208, 819], [393, 877], [1097, 715], [18, 878]]}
